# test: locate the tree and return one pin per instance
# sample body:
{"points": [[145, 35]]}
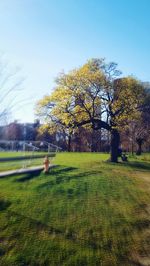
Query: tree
{"points": [[10, 87], [62, 133], [134, 136], [143, 125], [93, 94], [13, 131]]}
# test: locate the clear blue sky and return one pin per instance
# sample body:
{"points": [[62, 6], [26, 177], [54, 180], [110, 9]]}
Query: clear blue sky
{"points": [[44, 37]]}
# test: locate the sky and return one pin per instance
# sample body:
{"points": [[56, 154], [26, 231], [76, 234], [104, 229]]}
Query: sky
{"points": [[43, 37]]}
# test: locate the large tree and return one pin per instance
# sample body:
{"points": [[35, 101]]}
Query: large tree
{"points": [[93, 94]]}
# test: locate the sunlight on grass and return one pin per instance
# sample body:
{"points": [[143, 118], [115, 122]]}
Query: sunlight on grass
{"points": [[84, 212]]}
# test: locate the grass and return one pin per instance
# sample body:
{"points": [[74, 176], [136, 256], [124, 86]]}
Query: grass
{"points": [[6, 154], [4, 166], [84, 212]]}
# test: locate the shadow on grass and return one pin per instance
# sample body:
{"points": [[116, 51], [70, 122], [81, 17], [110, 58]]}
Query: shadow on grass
{"points": [[59, 171], [4, 204], [132, 164], [141, 224], [35, 174], [28, 177], [139, 165], [65, 175], [7, 176]]}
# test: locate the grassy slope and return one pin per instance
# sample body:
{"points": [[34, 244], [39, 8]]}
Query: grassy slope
{"points": [[85, 212]]}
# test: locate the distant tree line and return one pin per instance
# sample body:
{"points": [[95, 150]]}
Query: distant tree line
{"points": [[83, 139]]}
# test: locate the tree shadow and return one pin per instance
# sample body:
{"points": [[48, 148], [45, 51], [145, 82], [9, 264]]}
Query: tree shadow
{"points": [[139, 165], [62, 170], [28, 177], [63, 175], [2, 177], [142, 224], [36, 173], [4, 204]]}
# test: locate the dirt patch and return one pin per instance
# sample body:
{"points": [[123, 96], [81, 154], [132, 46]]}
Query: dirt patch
{"points": [[143, 175]]}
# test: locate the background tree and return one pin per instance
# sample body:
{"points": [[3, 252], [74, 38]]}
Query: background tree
{"points": [[93, 94], [136, 133], [57, 133], [143, 125], [10, 88], [13, 131]]}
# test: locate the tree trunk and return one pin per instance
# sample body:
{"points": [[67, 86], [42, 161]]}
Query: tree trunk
{"points": [[139, 143], [93, 141], [69, 143], [132, 147], [115, 141]]}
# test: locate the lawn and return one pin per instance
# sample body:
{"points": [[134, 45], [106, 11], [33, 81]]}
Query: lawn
{"points": [[86, 211], [17, 164]]}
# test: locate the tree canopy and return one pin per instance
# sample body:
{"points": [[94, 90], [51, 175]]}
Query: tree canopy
{"points": [[93, 94]]}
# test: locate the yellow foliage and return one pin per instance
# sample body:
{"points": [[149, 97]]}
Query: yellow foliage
{"points": [[87, 93]]}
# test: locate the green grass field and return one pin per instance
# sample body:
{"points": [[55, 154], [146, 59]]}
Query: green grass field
{"points": [[4, 166], [84, 212], [6, 154]]}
